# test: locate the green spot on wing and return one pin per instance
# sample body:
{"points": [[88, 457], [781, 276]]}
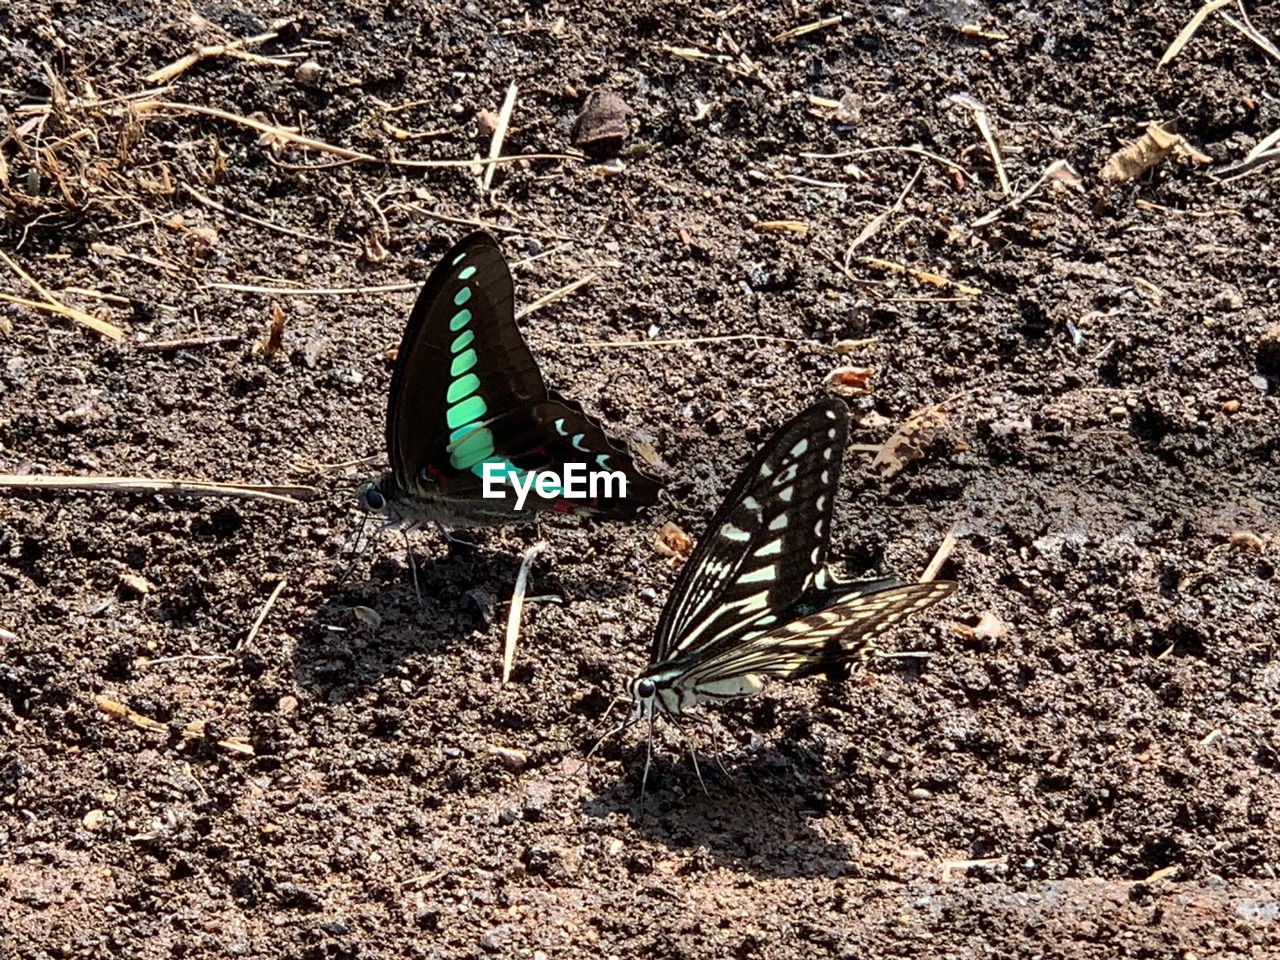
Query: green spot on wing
{"points": [[470, 409], [461, 297], [467, 274], [505, 469], [462, 363], [462, 317], [462, 341], [473, 450], [462, 387]]}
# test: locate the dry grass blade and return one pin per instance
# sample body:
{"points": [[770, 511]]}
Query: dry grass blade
{"points": [[878, 221], [1189, 31], [555, 295], [939, 558], [185, 488], [924, 276], [52, 304], [807, 28], [108, 330], [262, 616], [499, 135], [517, 605], [285, 135], [1059, 170], [1252, 33], [267, 224], [673, 341], [868, 151], [982, 118], [798, 227], [235, 48]]}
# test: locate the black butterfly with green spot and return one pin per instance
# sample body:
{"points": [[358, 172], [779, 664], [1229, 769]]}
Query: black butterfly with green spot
{"points": [[466, 392], [756, 598]]}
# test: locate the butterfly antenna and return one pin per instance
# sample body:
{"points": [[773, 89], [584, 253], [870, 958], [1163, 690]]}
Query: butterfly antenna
{"points": [[625, 725]]}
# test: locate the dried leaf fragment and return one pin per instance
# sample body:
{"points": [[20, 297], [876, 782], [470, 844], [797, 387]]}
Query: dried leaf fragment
{"points": [[671, 541], [602, 125], [1136, 158], [910, 440], [850, 381], [275, 333]]}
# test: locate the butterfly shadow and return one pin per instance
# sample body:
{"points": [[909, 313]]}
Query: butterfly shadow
{"points": [[372, 622], [757, 813]]}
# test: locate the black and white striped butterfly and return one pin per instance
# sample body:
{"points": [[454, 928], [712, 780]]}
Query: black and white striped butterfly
{"points": [[757, 599]]}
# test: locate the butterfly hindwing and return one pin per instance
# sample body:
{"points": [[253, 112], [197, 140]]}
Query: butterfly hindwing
{"points": [[766, 544], [821, 642]]}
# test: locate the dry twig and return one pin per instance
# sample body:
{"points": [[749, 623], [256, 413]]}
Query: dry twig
{"points": [[1184, 36], [262, 616], [499, 135], [186, 488], [555, 295], [517, 605]]}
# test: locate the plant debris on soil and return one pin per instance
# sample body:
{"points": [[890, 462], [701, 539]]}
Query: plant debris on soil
{"points": [[228, 727]]}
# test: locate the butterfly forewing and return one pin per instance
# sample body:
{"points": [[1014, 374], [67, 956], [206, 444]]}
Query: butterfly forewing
{"points": [[462, 333], [766, 544]]}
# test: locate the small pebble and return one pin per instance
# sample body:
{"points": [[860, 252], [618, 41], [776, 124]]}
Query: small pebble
{"points": [[512, 759], [601, 126], [308, 73], [920, 793]]}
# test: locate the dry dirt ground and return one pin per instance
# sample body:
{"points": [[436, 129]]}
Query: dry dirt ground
{"points": [[1093, 776]]}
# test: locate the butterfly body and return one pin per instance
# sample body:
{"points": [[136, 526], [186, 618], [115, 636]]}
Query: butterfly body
{"points": [[757, 598], [470, 414]]}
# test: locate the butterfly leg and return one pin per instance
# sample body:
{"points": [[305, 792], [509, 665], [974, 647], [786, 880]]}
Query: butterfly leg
{"points": [[716, 753], [693, 754], [648, 759], [413, 568], [354, 549]]}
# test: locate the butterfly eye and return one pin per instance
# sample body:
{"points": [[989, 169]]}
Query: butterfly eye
{"points": [[373, 499], [646, 689]]}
